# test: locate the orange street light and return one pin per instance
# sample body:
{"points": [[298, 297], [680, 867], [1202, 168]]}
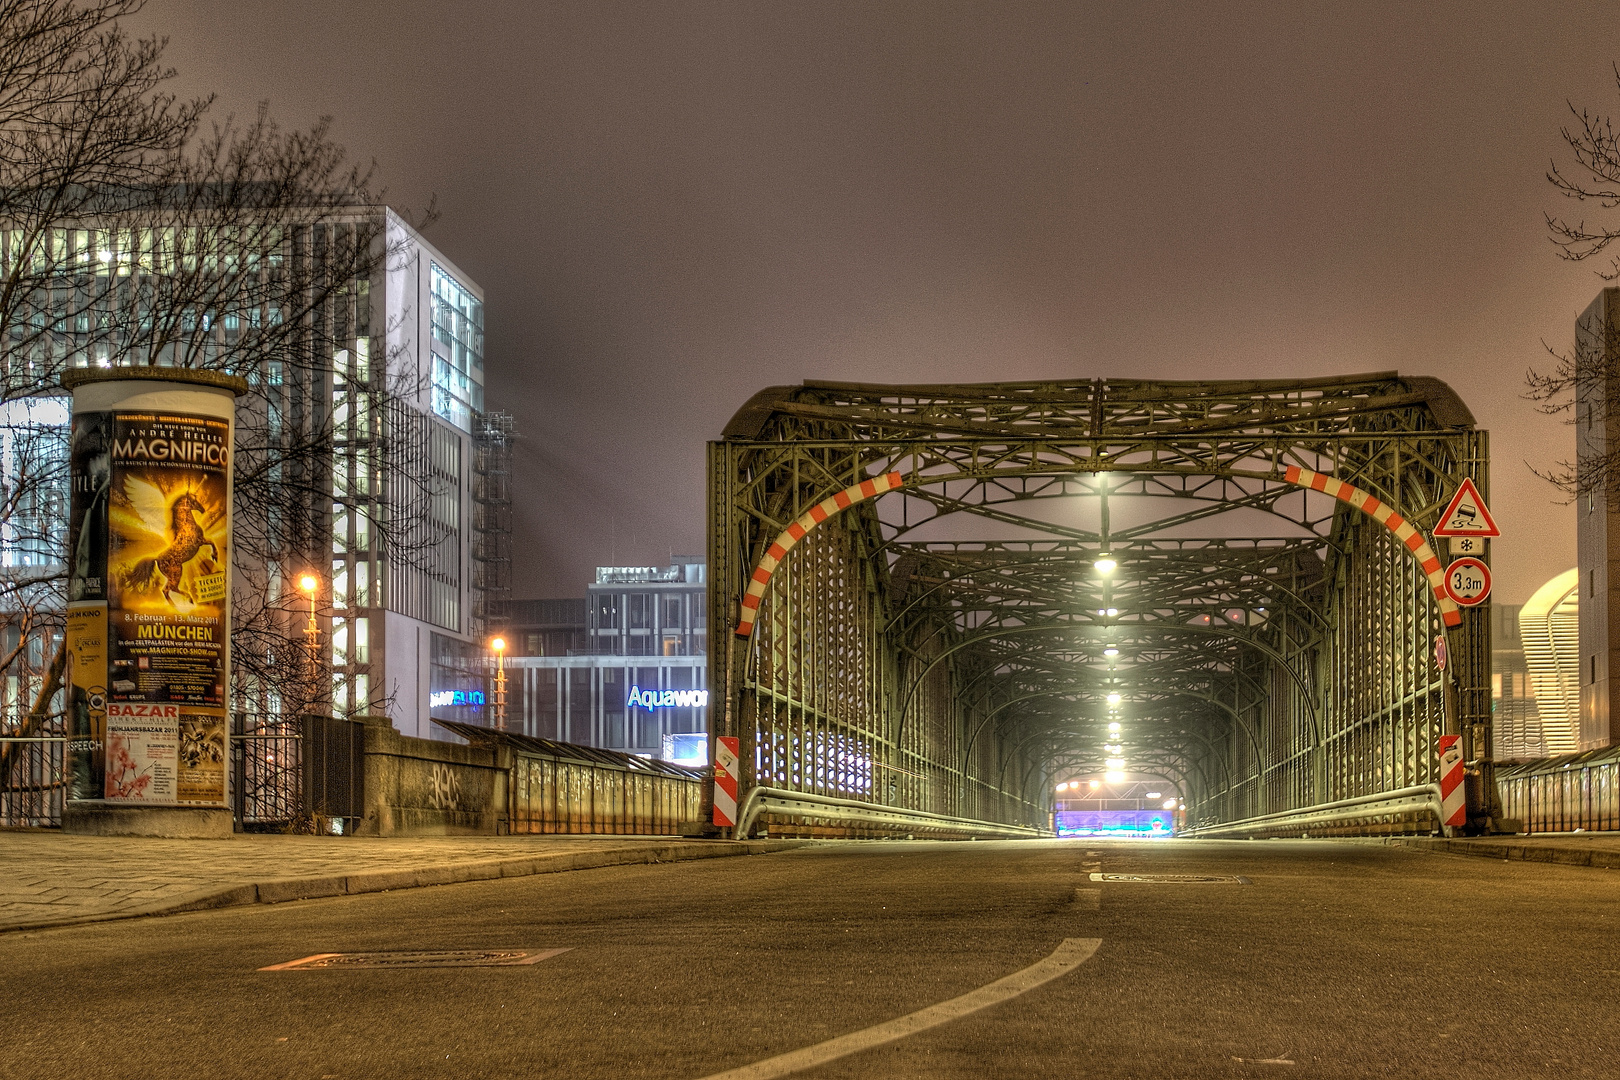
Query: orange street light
{"points": [[311, 585], [499, 645]]}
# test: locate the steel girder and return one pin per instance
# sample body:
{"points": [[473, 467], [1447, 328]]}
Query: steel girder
{"points": [[1272, 644]]}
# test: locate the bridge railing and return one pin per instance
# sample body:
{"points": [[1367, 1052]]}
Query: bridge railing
{"points": [[1391, 813], [1564, 793], [780, 812]]}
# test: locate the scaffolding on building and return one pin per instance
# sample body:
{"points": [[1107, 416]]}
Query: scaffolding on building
{"points": [[492, 522]]}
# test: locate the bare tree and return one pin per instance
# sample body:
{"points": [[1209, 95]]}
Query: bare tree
{"points": [[1582, 382], [130, 236]]}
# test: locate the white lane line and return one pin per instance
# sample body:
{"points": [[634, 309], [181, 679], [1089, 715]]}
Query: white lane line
{"points": [[1069, 955]]}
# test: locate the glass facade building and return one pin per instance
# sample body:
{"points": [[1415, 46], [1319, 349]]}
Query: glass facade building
{"points": [[393, 373], [636, 676]]}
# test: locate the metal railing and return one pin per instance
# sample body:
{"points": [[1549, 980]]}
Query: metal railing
{"points": [[797, 813], [1564, 793], [1407, 811], [266, 788], [32, 792]]}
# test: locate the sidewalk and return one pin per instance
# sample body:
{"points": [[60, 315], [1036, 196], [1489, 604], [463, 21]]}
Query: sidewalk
{"points": [[49, 879], [1600, 850]]}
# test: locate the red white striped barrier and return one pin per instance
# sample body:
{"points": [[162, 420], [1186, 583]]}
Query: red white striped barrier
{"points": [[725, 781], [1381, 512], [1386, 516], [795, 532], [1453, 805]]}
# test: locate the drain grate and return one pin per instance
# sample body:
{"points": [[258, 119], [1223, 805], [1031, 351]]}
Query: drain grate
{"points": [[419, 959], [1174, 879]]}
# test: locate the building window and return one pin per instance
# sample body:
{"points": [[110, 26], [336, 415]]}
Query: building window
{"points": [[641, 611], [458, 350], [606, 613], [672, 613]]}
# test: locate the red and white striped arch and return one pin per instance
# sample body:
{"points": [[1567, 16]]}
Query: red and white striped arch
{"points": [[1385, 515], [808, 520], [1380, 512]]}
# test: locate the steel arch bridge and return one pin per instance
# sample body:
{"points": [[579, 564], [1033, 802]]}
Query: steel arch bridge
{"points": [[930, 603]]}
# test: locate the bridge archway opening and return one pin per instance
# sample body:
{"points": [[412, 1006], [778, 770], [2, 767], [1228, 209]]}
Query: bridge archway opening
{"points": [[869, 648]]}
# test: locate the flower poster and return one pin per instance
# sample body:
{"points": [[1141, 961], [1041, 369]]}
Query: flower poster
{"points": [[141, 752]]}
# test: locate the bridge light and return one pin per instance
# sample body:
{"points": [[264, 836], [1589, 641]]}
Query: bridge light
{"points": [[1155, 794], [1106, 564], [1115, 776], [1112, 650], [1115, 764], [1113, 728], [1169, 804], [1095, 784], [1113, 699]]}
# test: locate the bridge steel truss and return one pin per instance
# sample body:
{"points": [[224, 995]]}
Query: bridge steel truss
{"points": [[950, 647]]}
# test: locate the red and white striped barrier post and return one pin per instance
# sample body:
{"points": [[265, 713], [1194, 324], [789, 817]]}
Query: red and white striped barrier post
{"points": [[1453, 804], [725, 781]]}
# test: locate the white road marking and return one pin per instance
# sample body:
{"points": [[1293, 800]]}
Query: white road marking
{"points": [[1069, 955]]}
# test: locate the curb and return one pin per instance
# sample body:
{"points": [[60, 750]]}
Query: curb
{"points": [[1508, 852], [281, 890]]}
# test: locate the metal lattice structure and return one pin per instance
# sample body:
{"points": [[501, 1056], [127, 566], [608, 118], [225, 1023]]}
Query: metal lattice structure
{"points": [[951, 647]]}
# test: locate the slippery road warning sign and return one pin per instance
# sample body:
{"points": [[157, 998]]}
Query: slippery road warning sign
{"points": [[1468, 581], [1466, 515]]}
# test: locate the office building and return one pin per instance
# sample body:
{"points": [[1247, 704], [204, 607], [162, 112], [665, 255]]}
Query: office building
{"points": [[404, 527], [631, 675]]}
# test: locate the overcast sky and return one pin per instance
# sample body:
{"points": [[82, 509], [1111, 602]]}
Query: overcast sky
{"points": [[672, 205]]}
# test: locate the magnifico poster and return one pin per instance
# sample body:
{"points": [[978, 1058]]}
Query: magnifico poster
{"points": [[153, 485]]}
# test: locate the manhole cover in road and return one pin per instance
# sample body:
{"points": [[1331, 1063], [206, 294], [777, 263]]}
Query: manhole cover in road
{"points": [[454, 958], [1174, 879]]}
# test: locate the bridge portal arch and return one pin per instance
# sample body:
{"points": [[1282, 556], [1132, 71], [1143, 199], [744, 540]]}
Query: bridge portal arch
{"points": [[1322, 674]]}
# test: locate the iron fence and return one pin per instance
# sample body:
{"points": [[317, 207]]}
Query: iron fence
{"points": [[266, 776], [267, 771], [35, 780]]}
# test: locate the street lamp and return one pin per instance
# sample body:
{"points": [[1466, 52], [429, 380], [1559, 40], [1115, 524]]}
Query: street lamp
{"points": [[499, 645], [311, 585]]}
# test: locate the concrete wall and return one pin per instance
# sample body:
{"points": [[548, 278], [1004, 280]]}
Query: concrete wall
{"points": [[423, 787]]}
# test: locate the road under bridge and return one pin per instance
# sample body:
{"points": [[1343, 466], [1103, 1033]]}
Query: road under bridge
{"points": [[931, 604]]}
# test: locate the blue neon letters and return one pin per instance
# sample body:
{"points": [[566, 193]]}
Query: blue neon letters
{"points": [[668, 699]]}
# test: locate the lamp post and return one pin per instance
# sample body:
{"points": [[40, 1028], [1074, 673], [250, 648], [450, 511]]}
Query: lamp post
{"points": [[499, 645], [311, 584]]}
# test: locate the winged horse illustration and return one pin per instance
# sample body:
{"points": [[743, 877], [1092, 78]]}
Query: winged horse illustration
{"points": [[178, 525]]}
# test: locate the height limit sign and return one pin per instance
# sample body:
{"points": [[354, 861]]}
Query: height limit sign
{"points": [[1468, 581]]}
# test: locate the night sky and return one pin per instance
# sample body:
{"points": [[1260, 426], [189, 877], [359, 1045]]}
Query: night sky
{"points": [[672, 205]]}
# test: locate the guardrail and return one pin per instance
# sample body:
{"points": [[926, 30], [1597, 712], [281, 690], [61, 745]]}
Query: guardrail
{"points": [[798, 813], [1402, 812]]}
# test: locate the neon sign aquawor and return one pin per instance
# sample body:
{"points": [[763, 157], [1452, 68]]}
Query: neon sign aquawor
{"points": [[667, 699], [455, 697]]}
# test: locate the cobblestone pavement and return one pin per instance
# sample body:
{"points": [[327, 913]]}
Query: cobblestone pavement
{"points": [[48, 878]]}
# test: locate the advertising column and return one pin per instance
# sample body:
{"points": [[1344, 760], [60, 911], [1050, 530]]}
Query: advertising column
{"points": [[148, 624]]}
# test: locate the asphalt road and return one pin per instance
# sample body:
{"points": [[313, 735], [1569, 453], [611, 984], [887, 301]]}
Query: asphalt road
{"points": [[1338, 961]]}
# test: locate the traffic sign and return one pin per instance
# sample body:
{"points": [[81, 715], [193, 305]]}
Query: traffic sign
{"points": [[1468, 581], [1466, 515], [1467, 545]]}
